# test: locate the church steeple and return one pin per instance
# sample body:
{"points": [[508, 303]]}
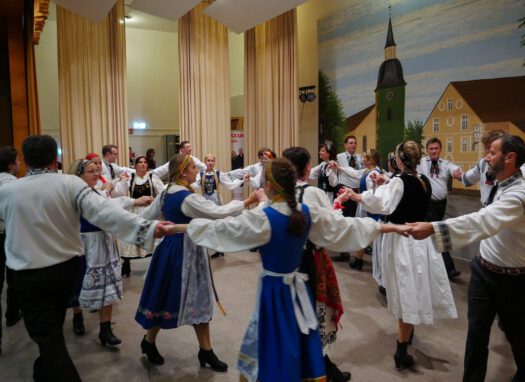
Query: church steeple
{"points": [[390, 46]]}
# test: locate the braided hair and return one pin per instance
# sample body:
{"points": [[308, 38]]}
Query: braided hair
{"points": [[282, 176], [409, 153]]}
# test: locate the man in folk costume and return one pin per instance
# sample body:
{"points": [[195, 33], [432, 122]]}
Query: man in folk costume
{"points": [[42, 215], [497, 280]]}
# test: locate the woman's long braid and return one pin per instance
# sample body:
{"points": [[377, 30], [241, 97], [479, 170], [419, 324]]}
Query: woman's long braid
{"points": [[284, 174]]}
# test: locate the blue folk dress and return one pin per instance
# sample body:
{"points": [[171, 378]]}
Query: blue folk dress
{"points": [[282, 343], [178, 288]]}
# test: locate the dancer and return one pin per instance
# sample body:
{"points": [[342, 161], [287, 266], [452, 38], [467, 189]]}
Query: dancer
{"points": [[437, 171], [282, 342], [177, 290], [100, 283], [209, 183], [417, 287], [327, 177], [497, 277], [9, 167], [479, 173], [317, 264], [141, 183], [43, 248]]}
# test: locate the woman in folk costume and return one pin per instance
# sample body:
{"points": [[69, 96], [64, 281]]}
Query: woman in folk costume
{"points": [[317, 263], [282, 342], [141, 183], [327, 176], [104, 185], [101, 283], [209, 183], [179, 288], [415, 278]]}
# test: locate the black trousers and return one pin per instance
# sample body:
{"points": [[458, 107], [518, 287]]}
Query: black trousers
{"points": [[490, 294], [12, 308], [43, 295], [435, 213]]}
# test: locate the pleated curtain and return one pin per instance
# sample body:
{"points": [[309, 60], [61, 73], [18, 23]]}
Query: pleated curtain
{"points": [[204, 105], [92, 84], [270, 85]]}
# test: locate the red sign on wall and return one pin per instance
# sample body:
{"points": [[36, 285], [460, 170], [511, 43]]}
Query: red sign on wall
{"points": [[130, 131]]}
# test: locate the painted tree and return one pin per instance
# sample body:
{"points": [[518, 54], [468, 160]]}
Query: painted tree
{"points": [[414, 132], [331, 113]]}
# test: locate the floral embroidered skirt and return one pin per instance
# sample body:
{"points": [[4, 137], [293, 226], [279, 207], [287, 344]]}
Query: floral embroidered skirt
{"points": [[102, 281], [178, 288]]}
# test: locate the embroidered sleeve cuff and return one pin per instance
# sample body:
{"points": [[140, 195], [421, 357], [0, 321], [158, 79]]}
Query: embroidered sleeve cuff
{"points": [[145, 234], [441, 237]]}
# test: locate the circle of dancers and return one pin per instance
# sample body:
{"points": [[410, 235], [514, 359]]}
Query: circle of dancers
{"points": [[71, 246]]}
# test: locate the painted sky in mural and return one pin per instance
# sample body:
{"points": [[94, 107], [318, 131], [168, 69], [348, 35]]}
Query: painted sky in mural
{"points": [[437, 42]]}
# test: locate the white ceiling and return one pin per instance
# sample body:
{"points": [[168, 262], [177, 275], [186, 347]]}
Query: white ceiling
{"points": [[94, 10], [241, 15], [238, 15]]}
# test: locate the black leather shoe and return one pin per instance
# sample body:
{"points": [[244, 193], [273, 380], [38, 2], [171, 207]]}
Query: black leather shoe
{"points": [[106, 335], [217, 254], [453, 274], [209, 357], [333, 374], [78, 324], [12, 319], [342, 257], [126, 268], [151, 352], [356, 264], [401, 358]]}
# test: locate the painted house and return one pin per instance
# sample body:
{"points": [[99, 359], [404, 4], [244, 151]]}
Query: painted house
{"points": [[468, 109]]}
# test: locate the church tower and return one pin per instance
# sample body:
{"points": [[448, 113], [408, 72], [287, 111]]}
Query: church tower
{"points": [[390, 100]]}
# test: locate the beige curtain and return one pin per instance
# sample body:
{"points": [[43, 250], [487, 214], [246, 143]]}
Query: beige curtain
{"points": [[270, 85], [92, 84], [205, 86]]}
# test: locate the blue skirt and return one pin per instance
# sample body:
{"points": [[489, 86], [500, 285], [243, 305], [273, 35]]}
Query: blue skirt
{"points": [[177, 290]]}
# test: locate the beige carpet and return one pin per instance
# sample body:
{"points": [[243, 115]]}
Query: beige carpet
{"points": [[365, 346]]}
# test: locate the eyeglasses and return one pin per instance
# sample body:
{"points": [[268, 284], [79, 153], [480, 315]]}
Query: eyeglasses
{"points": [[91, 172]]}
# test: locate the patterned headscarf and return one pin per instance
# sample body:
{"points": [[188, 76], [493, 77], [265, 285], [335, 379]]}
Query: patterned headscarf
{"points": [[81, 167]]}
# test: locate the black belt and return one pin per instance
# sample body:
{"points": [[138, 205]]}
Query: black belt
{"points": [[511, 271]]}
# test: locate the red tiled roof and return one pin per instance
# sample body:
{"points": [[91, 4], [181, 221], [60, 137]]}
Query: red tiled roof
{"points": [[353, 121]]}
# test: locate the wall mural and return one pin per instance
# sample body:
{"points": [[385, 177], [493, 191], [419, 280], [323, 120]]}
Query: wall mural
{"points": [[441, 49]]}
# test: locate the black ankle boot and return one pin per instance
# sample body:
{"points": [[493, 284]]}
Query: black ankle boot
{"points": [[106, 335], [342, 257], [209, 357], [78, 324], [126, 268], [401, 358], [357, 264], [333, 374], [151, 352]]}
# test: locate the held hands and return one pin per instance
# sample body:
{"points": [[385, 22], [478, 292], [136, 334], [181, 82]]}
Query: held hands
{"points": [[379, 179], [418, 231], [333, 165], [400, 229], [255, 197], [246, 178], [457, 174], [421, 230], [143, 201], [167, 228]]}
